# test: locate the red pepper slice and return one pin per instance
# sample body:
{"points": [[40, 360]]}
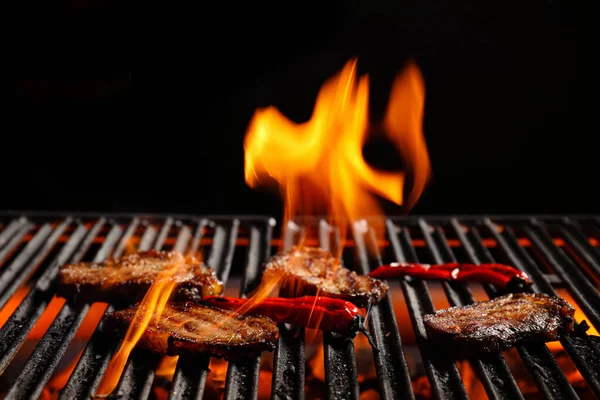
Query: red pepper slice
{"points": [[497, 274], [322, 313]]}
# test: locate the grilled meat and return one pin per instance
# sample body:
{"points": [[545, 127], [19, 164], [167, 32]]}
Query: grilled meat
{"points": [[192, 328], [501, 323], [126, 280], [309, 271]]}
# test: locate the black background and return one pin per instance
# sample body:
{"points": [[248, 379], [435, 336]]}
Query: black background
{"points": [[126, 106]]}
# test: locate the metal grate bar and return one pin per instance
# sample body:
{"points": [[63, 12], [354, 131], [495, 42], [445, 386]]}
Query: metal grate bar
{"points": [[289, 365], [390, 361], [41, 251], [163, 234], [129, 232], [36, 250], [583, 350], [340, 359], [579, 242], [492, 369], [242, 376], [585, 353], [48, 352], [94, 360], [10, 229], [138, 375], [190, 374], [11, 236], [594, 229], [443, 374], [16, 329], [221, 258], [189, 378], [573, 278], [537, 357]]}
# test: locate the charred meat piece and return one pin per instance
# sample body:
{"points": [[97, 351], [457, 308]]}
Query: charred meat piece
{"points": [[310, 271], [197, 329], [501, 323], [126, 280]]}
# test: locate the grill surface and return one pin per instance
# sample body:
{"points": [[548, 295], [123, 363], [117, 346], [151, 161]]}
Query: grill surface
{"points": [[559, 253]]}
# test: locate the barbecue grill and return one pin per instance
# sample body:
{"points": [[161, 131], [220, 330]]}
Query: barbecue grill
{"points": [[560, 253]]}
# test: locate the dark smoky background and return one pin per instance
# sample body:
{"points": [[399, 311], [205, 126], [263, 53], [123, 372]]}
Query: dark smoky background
{"points": [[123, 106]]}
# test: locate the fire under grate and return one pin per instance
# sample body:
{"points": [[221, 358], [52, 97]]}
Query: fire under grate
{"points": [[51, 349]]}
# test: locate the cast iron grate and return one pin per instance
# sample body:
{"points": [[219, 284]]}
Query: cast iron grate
{"points": [[557, 252]]}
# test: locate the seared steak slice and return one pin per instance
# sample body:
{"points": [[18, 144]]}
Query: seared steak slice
{"points": [[310, 271], [126, 280], [501, 323], [193, 328]]}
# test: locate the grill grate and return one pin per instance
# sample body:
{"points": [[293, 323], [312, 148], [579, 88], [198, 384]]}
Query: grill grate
{"points": [[558, 253]]}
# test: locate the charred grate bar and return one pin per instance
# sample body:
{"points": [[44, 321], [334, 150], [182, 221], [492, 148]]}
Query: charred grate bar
{"points": [[51, 349]]}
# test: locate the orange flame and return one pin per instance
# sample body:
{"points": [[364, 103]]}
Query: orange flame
{"points": [[167, 367], [149, 311], [318, 165]]}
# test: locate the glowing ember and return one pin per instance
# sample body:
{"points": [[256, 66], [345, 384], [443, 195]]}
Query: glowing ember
{"points": [[318, 165], [148, 312]]}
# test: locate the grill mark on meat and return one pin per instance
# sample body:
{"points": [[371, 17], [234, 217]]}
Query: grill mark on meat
{"points": [[501, 323], [310, 271], [124, 281], [190, 328]]}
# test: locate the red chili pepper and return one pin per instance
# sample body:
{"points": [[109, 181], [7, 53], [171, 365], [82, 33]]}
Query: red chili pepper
{"points": [[497, 274], [327, 314]]}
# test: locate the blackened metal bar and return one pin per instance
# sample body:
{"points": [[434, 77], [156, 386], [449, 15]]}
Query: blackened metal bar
{"points": [[340, 359], [583, 350], [183, 239], [36, 250], [147, 239], [340, 367], [163, 234], [289, 364], [519, 258], [390, 361], [221, 257], [229, 247], [190, 374], [10, 230], [14, 242], [198, 236], [259, 250], [17, 327], [580, 244], [474, 253], [458, 294], [189, 378], [442, 372], [537, 358], [126, 235], [94, 360], [579, 286], [547, 374], [594, 230], [491, 369], [52, 271], [138, 375], [47, 354], [242, 375]]}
